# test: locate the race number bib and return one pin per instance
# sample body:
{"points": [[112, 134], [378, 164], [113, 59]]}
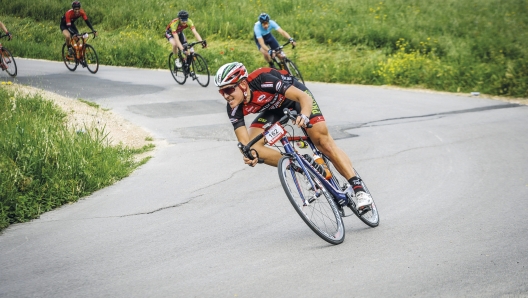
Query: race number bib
{"points": [[275, 133]]}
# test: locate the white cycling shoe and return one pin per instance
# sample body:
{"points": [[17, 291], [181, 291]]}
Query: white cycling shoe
{"points": [[363, 200]]}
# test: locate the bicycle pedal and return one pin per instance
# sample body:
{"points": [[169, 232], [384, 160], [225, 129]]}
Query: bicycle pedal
{"points": [[364, 210]]}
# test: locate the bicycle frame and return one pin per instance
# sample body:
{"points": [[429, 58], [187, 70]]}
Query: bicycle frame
{"points": [[189, 58], [331, 185], [340, 196], [280, 55], [78, 42], [316, 182]]}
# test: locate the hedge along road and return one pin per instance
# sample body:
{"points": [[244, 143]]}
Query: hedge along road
{"points": [[449, 174]]}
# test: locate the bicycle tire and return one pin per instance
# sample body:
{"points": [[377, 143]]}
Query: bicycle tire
{"points": [[71, 63], [293, 70], [91, 59], [9, 62], [371, 217], [200, 70], [321, 214], [177, 72]]}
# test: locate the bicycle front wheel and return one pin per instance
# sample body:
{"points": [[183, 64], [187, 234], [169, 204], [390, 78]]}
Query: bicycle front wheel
{"points": [[293, 70], [70, 62], [8, 62], [176, 69], [200, 70], [369, 216], [91, 59], [320, 213]]}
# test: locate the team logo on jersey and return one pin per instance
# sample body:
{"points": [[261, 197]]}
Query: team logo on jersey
{"points": [[315, 108], [233, 120], [279, 85], [266, 85], [252, 109], [263, 120], [261, 98]]}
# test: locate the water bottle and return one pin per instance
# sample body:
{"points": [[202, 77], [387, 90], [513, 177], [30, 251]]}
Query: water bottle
{"points": [[302, 144], [314, 164], [321, 162]]}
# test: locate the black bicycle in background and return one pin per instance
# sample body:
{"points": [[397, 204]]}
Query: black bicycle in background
{"points": [[8, 63], [192, 66], [282, 62]]}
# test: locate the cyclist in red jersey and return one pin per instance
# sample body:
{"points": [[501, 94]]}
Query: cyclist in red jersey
{"points": [[268, 91], [176, 27], [5, 30], [67, 24]]}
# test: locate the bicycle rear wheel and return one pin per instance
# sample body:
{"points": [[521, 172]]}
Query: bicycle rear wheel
{"points": [[70, 62], [320, 213], [91, 59], [200, 70], [8, 61], [176, 69], [369, 216], [293, 70]]}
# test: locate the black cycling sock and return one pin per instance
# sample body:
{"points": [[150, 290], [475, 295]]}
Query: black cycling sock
{"points": [[356, 184]]}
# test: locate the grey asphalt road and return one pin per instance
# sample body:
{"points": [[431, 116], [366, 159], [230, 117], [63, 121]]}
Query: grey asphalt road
{"points": [[449, 175]]}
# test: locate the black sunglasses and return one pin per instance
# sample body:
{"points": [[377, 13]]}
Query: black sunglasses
{"points": [[229, 90]]}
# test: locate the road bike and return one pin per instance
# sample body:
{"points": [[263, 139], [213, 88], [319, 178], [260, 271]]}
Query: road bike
{"points": [[282, 62], [8, 61], [192, 66], [83, 53], [321, 201]]}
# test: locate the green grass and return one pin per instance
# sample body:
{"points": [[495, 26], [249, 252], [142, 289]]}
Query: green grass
{"points": [[44, 164], [452, 45], [90, 103]]}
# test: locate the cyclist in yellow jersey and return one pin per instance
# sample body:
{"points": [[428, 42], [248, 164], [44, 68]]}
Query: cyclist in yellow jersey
{"points": [[176, 27]]}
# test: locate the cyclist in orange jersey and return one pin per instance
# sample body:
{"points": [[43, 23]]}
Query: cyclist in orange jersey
{"points": [[5, 30], [67, 24]]}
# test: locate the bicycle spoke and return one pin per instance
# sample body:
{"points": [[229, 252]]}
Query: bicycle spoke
{"points": [[91, 60], [176, 69], [320, 214]]}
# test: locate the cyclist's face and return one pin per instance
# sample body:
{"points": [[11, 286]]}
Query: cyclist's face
{"points": [[265, 25], [77, 11], [232, 94]]}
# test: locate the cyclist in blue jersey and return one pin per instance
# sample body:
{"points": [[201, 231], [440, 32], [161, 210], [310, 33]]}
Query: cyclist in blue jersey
{"points": [[265, 41]]}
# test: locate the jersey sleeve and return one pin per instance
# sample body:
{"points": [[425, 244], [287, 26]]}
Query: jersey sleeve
{"points": [[173, 25], [256, 30], [84, 15], [274, 25], [236, 116], [67, 18], [190, 23]]}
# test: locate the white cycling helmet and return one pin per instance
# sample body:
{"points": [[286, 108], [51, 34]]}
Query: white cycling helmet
{"points": [[230, 73]]}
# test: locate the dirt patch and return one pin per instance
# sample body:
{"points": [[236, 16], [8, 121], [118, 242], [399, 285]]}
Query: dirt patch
{"points": [[85, 115]]}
